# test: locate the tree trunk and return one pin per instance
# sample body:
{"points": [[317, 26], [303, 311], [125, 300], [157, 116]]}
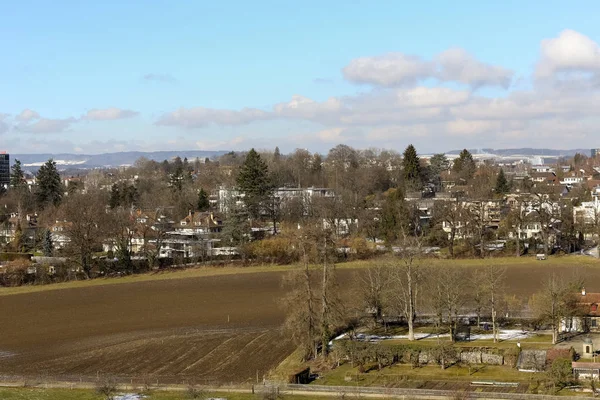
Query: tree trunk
{"points": [[411, 305], [452, 235], [325, 305], [494, 327], [309, 295]]}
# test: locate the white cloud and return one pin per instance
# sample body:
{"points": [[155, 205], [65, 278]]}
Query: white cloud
{"points": [[459, 66], [305, 108], [109, 114], [390, 69], [46, 125], [431, 97], [569, 52], [27, 115], [4, 127], [199, 117], [220, 144], [453, 65]]}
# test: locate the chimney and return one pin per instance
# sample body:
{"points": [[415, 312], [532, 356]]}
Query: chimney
{"points": [[583, 291]]}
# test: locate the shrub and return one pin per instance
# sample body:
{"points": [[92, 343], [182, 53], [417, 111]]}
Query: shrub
{"points": [[561, 372], [277, 249]]}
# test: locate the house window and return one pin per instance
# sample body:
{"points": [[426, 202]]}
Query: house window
{"points": [[594, 322], [587, 349]]}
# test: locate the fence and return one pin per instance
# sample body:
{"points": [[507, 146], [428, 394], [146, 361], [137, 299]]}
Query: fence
{"points": [[407, 393]]}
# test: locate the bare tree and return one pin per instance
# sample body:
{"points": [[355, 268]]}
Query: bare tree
{"points": [[546, 211], [84, 218], [492, 281], [106, 387], [446, 295], [312, 309], [374, 285], [301, 303], [407, 270], [556, 301], [453, 216]]}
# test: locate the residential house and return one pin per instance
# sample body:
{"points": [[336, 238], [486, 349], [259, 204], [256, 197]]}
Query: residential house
{"points": [[228, 198], [186, 245], [574, 178], [200, 223], [588, 319], [542, 168], [487, 212], [549, 178], [28, 226], [58, 234], [341, 226]]}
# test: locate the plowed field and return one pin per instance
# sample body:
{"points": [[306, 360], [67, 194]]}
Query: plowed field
{"points": [[214, 329], [218, 329]]}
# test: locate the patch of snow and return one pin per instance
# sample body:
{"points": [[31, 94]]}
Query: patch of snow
{"points": [[129, 396], [507, 334], [58, 162], [6, 354]]}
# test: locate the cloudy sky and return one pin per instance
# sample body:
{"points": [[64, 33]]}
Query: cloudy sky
{"points": [[103, 76]]}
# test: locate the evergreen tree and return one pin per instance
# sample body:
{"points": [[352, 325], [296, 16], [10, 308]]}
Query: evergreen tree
{"points": [[48, 245], [115, 196], [276, 155], [49, 187], [502, 186], [17, 176], [412, 168], [254, 181], [17, 243], [464, 166], [396, 216], [177, 177], [203, 203], [438, 164]]}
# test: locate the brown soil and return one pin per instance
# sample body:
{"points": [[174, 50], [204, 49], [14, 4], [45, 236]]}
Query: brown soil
{"points": [[221, 328]]}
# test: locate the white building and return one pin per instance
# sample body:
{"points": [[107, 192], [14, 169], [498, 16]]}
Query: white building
{"points": [[228, 198]]}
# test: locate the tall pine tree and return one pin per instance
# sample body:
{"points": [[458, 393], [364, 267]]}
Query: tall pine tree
{"points": [[464, 166], [502, 185], [48, 245], [17, 176], [49, 187], [255, 183], [203, 202], [412, 169]]}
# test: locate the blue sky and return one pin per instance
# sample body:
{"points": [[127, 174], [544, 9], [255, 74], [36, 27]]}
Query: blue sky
{"points": [[82, 76]]}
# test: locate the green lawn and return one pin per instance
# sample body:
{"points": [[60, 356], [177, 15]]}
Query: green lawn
{"points": [[77, 394], [406, 376]]}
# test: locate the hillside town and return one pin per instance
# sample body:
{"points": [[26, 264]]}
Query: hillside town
{"points": [[248, 206]]}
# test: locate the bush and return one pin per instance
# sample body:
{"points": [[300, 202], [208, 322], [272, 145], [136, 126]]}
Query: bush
{"points": [[277, 250], [561, 372]]}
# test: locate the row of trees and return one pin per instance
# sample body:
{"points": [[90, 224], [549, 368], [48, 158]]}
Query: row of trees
{"points": [[407, 287]]}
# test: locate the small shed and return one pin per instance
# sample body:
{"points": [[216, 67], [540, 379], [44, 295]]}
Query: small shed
{"points": [[301, 376], [586, 370], [588, 348]]}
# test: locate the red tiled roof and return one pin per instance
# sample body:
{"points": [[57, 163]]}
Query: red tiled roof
{"points": [[590, 302]]}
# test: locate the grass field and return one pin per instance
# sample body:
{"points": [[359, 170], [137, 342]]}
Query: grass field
{"points": [[218, 325], [76, 394]]}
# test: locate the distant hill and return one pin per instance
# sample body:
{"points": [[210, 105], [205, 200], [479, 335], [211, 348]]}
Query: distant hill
{"points": [[527, 151], [107, 160], [87, 161]]}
